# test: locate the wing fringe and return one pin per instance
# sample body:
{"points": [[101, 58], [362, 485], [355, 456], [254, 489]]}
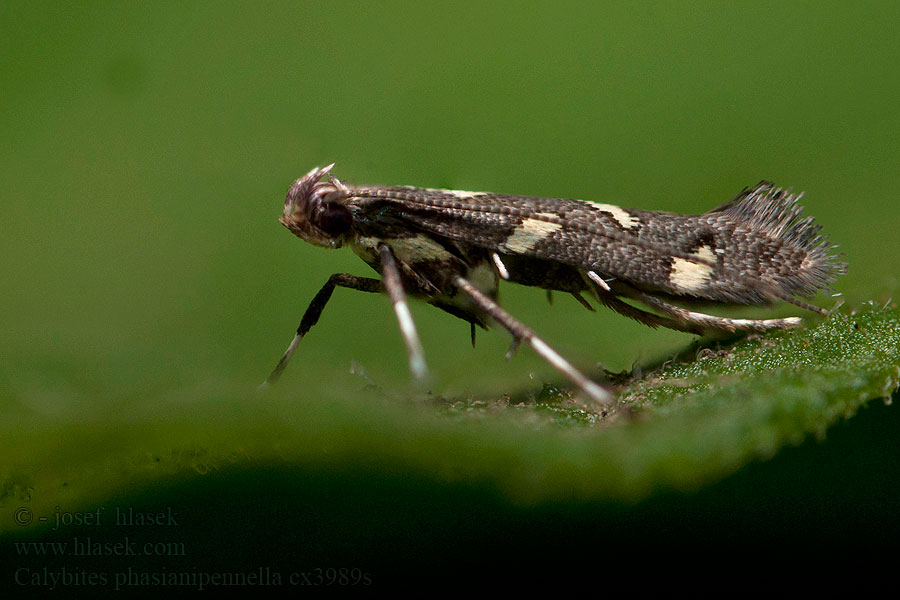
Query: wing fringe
{"points": [[777, 212]]}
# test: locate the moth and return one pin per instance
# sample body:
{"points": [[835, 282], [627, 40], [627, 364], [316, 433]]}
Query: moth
{"points": [[452, 248]]}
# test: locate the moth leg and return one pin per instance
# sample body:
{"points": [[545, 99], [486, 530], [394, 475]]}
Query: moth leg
{"points": [[520, 331], [513, 347], [582, 301], [601, 283], [647, 318], [713, 322], [605, 296], [394, 287], [314, 311], [501, 268]]}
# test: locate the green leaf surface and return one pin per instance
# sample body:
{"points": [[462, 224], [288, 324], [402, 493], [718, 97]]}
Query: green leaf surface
{"points": [[680, 426]]}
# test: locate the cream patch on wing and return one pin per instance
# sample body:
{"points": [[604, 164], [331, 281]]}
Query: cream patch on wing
{"points": [[690, 277], [462, 194], [619, 215], [530, 232]]}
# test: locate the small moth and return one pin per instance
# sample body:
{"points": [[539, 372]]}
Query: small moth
{"points": [[451, 248]]}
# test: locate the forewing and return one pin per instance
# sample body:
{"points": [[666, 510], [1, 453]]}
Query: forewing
{"points": [[753, 249], [619, 243]]}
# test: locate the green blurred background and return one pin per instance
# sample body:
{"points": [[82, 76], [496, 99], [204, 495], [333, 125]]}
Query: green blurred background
{"points": [[145, 149]]}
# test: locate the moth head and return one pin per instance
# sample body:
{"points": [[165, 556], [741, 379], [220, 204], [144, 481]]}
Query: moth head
{"points": [[314, 209]]}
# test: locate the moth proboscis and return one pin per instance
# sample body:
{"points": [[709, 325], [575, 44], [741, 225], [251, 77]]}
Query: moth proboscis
{"points": [[452, 248]]}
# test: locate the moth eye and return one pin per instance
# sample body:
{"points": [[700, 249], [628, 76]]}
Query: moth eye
{"points": [[334, 219]]}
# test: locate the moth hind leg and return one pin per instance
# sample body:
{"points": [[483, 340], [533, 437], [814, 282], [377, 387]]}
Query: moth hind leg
{"points": [[521, 332], [705, 321], [648, 318], [604, 295]]}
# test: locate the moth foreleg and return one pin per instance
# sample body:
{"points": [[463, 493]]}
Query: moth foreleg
{"points": [[520, 331], [314, 311], [713, 322], [394, 287]]}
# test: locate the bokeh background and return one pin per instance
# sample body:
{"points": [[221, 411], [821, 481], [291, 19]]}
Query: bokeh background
{"points": [[145, 149]]}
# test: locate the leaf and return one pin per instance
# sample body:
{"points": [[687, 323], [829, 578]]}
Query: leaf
{"points": [[681, 426]]}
